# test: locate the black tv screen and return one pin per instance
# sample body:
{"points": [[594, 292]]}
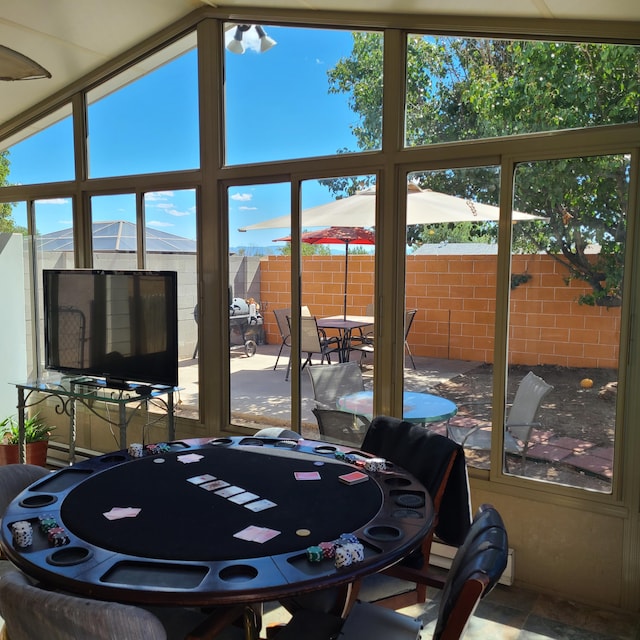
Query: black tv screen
{"points": [[117, 325]]}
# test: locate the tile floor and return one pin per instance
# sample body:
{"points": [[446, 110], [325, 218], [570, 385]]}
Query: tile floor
{"points": [[513, 613]]}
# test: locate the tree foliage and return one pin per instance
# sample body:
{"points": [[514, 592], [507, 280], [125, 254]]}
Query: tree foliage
{"points": [[463, 89], [6, 221]]}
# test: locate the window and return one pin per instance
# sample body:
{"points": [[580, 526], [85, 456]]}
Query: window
{"points": [[134, 127], [46, 155], [467, 88], [565, 311], [451, 266], [285, 103]]}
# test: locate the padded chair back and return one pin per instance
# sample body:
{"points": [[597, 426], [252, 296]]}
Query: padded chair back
{"points": [[283, 326], [437, 461], [476, 568], [531, 390], [309, 336], [31, 612], [14, 478], [340, 427], [331, 383]]}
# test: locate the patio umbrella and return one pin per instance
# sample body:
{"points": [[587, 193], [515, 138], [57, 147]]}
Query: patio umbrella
{"points": [[423, 207], [338, 235]]}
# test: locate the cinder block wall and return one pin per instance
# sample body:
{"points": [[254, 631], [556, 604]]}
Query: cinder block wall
{"points": [[455, 297]]}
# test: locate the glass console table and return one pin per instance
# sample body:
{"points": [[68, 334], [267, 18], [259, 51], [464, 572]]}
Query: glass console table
{"points": [[67, 392]]}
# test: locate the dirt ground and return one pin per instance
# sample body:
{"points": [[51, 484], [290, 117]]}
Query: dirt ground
{"points": [[569, 410]]}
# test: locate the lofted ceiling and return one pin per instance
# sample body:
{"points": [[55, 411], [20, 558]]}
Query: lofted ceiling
{"points": [[70, 38]]}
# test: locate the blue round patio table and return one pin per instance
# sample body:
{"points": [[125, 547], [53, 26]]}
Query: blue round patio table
{"points": [[417, 407]]}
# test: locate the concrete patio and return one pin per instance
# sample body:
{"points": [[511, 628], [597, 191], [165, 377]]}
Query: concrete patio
{"points": [[260, 397]]}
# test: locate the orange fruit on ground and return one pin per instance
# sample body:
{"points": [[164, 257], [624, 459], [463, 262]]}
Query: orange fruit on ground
{"points": [[586, 383]]}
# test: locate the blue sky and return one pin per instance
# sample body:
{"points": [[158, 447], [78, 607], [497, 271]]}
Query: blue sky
{"points": [[277, 107]]}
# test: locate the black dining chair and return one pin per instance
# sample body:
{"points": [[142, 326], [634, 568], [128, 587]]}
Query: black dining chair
{"points": [[439, 464]]}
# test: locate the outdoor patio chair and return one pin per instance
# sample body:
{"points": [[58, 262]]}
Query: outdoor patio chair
{"points": [[521, 420], [365, 343], [341, 427], [331, 383], [283, 328], [313, 341], [440, 465]]}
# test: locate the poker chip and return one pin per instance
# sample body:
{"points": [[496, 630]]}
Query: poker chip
{"points": [[375, 464], [347, 538], [136, 450], [314, 554], [46, 524], [22, 533], [356, 550], [303, 532], [343, 557], [328, 550]]}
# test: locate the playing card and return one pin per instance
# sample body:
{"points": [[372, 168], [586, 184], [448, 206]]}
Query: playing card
{"points": [[241, 498], [253, 533], [306, 475], [189, 457], [227, 492], [200, 479], [214, 485], [260, 505]]}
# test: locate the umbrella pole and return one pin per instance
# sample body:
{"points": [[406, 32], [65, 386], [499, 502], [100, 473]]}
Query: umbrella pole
{"points": [[346, 271]]}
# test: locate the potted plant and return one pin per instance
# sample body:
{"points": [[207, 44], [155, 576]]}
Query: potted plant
{"points": [[36, 433]]}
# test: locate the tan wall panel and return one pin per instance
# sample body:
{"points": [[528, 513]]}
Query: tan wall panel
{"points": [[557, 549]]}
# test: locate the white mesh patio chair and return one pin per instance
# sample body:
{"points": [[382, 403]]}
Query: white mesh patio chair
{"points": [[520, 422]]}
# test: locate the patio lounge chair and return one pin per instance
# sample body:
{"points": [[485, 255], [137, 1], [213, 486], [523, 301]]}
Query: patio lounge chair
{"points": [[518, 425]]}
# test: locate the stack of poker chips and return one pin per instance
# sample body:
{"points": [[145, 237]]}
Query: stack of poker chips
{"points": [[136, 450], [375, 464], [370, 464], [160, 447], [346, 550], [56, 535], [22, 533]]}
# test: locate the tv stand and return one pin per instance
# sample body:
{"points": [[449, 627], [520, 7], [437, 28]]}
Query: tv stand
{"points": [[87, 391]]}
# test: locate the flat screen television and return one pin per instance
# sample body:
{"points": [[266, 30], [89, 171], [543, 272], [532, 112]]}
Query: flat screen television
{"points": [[118, 325]]}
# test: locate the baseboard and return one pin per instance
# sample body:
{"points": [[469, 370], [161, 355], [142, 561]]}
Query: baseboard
{"points": [[442, 556]]}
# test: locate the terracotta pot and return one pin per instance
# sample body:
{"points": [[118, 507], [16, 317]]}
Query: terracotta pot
{"points": [[36, 453]]}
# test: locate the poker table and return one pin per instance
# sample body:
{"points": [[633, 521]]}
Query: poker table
{"points": [[207, 522]]}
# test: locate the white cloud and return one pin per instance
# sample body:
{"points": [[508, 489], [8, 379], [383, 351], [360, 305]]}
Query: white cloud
{"points": [[158, 223], [242, 197], [55, 201], [247, 208], [176, 213], [155, 196]]}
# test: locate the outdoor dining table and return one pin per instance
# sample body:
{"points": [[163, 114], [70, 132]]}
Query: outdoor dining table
{"points": [[345, 325], [417, 406]]}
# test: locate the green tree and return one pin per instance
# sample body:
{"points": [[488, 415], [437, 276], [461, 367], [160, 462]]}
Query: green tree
{"points": [[462, 89], [6, 221]]}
